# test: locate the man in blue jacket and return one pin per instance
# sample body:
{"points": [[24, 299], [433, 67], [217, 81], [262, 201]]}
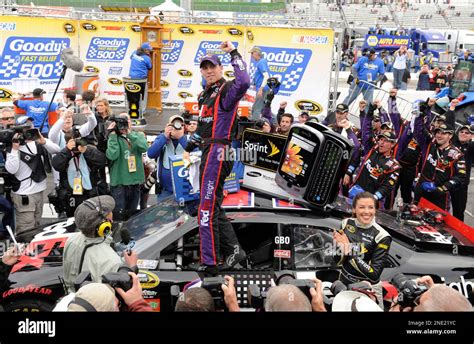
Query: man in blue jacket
{"points": [[141, 62]]}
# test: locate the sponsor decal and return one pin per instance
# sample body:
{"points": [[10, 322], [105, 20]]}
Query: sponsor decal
{"points": [[267, 147], [154, 304], [32, 57], [113, 28], [211, 32], [107, 49], [185, 95], [387, 41], [5, 95], [89, 27], [91, 69], [372, 41], [234, 32], [135, 28], [147, 264], [115, 70], [185, 73], [164, 72], [165, 94], [350, 228], [229, 74], [250, 35], [147, 294], [69, 28], [132, 87], [185, 83], [7, 26], [164, 83], [186, 30], [148, 280], [254, 174], [171, 51], [37, 251], [286, 254], [115, 82], [29, 289], [304, 39], [308, 105], [213, 47], [288, 65]]}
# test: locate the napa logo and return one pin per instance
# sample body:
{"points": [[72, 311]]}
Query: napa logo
{"points": [[213, 48], [5, 95], [274, 148], [308, 105], [287, 65], [171, 51], [372, 41]]}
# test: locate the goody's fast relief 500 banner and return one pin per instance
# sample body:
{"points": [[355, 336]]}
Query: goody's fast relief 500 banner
{"points": [[31, 47], [299, 58]]}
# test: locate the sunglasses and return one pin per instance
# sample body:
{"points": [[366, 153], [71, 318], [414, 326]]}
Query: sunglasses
{"points": [[7, 118]]}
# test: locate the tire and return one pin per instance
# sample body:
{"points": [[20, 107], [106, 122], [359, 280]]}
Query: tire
{"points": [[29, 305]]}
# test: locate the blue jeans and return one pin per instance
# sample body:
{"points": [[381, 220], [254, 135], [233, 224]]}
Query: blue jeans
{"points": [[397, 77], [126, 200], [368, 95]]}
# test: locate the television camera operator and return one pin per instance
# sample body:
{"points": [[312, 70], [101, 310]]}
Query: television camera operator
{"points": [[27, 161], [78, 165]]}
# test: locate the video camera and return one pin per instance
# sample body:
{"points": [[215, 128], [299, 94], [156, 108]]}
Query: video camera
{"points": [[274, 86], [121, 123], [24, 134], [408, 290], [114, 279]]}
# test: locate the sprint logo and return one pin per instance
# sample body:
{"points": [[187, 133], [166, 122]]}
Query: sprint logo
{"points": [[274, 148]]}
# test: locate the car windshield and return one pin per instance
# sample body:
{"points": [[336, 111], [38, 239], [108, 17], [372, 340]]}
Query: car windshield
{"points": [[437, 46], [156, 220]]}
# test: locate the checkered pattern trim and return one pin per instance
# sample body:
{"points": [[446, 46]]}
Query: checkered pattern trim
{"points": [[291, 79], [9, 66]]}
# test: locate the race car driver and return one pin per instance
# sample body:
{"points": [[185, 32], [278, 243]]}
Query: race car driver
{"points": [[217, 126]]}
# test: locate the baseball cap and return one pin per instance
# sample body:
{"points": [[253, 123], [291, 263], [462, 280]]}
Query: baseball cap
{"points": [[445, 129], [371, 51], [87, 218], [147, 45], [388, 135], [99, 295], [255, 50], [388, 125], [38, 92], [21, 120], [342, 107], [214, 59], [174, 118], [354, 301], [304, 113], [441, 118], [468, 127]]}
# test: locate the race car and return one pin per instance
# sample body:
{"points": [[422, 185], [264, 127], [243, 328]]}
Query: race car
{"points": [[277, 236]]}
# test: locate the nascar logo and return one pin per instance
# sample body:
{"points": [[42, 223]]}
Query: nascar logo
{"points": [[134, 88], [164, 83], [136, 28], [91, 69], [186, 30], [185, 73], [229, 74], [5, 95], [184, 95], [234, 32], [69, 28], [89, 27], [115, 81], [310, 106]]}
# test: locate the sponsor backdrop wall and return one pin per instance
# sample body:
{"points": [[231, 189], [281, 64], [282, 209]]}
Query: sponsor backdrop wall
{"points": [[300, 58]]}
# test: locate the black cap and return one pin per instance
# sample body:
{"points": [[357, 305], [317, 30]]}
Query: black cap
{"points": [[37, 92], [388, 125], [441, 118], [342, 107], [371, 51], [468, 127], [388, 135], [304, 113], [445, 129]]}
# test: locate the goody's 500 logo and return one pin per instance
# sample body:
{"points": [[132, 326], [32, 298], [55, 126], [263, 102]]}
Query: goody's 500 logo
{"points": [[170, 51], [212, 47], [288, 65], [107, 49], [31, 57]]}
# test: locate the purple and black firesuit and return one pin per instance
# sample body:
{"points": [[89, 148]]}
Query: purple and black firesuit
{"points": [[216, 129]]}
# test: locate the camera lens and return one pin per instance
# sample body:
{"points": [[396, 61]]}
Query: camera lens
{"points": [[177, 125]]}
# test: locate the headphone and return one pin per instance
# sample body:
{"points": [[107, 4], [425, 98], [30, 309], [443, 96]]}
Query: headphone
{"points": [[105, 227]]}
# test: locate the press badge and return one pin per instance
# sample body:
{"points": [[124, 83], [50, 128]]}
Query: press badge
{"points": [[77, 188], [132, 163]]}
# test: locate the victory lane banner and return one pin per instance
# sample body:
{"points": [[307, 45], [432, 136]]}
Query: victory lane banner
{"points": [[265, 149]]}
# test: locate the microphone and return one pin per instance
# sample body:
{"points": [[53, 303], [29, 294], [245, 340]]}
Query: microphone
{"points": [[71, 61], [127, 242]]}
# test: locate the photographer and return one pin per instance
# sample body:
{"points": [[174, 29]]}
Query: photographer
{"points": [[124, 150], [90, 249], [26, 160], [78, 165], [423, 295], [171, 142]]}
